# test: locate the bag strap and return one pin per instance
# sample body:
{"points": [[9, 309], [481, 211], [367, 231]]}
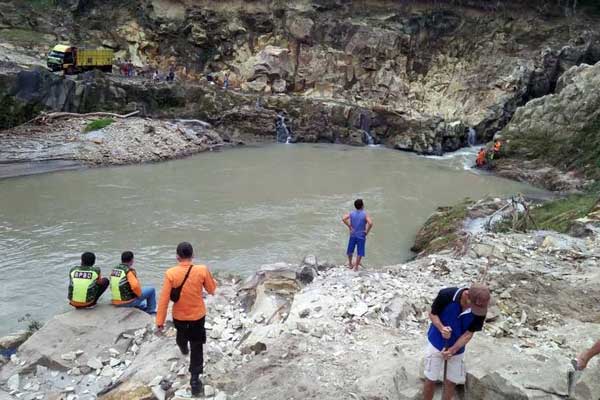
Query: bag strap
{"points": [[186, 275]]}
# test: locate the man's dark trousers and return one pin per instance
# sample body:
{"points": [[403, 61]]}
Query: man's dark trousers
{"points": [[194, 333]]}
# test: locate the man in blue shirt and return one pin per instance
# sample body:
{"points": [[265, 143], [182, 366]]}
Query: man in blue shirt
{"points": [[359, 223], [456, 314]]}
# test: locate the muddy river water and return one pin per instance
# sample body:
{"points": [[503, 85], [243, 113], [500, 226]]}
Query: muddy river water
{"points": [[240, 209]]}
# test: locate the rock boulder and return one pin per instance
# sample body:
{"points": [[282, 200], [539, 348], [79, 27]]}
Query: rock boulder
{"points": [[85, 334]]}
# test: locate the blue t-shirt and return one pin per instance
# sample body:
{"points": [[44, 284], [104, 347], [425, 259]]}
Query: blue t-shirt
{"points": [[447, 307], [358, 222]]}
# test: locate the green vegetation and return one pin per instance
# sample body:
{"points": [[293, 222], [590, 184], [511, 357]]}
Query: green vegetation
{"points": [[33, 325], [558, 215], [14, 112], [26, 37], [580, 151], [98, 124], [440, 230]]}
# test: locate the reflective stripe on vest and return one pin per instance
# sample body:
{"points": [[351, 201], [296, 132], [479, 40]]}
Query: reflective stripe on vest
{"points": [[119, 285], [83, 285]]}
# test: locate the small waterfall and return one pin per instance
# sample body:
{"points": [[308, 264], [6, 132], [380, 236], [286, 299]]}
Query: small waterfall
{"points": [[283, 133], [472, 137], [365, 126]]}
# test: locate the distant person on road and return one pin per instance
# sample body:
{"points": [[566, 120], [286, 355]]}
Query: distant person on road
{"points": [[456, 314], [359, 223], [126, 289], [226, 81], [171, 76], [155, 76], [86, 284], [189, 311], [582, 360]]}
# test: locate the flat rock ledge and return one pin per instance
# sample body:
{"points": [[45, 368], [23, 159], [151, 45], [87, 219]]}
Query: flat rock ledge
{"points": [[322, 331]]}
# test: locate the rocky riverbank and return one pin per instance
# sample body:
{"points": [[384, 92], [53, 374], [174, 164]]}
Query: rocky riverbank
{"points": [[124, 141], [320, 330]]}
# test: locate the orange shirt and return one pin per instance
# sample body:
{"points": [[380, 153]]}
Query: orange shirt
{"points": [[190, 306]]}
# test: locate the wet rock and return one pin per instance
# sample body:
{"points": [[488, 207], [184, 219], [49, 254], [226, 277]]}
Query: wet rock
{"points": [[307, 275], [13, 341]]}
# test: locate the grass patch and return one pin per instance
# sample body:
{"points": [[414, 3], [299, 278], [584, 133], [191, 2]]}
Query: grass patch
{"points": [[440, 230], [556, 215], [26, 37], [559, 215], [98, 124], [580, 151]]}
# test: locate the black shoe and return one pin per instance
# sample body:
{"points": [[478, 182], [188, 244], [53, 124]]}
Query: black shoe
{"points": [[197, 386], [184, 349]]}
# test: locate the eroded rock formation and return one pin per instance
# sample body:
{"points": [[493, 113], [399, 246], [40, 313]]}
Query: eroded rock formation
{"points": [[422, 72]]}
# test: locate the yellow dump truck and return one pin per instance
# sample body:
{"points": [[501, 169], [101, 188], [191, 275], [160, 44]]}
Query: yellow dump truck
{"points": [[73, 60]]}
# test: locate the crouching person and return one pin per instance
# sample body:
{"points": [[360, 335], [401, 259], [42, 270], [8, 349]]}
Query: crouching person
{"points": [[456, 314], [126, 288], [86, 284], [183, 285]]}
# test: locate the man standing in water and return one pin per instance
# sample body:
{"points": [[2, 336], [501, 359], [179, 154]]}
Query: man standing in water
{"points": [[189, 310], [359, 223], [86, 285]]}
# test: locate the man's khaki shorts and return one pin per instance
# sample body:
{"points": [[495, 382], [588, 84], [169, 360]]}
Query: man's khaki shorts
{"points": [[434, 366]]}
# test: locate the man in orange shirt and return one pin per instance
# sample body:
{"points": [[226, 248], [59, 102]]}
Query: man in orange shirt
{"points": [[126, 289], [189, 311]]}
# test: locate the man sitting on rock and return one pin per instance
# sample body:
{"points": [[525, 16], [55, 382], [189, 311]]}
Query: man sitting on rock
{"points": [[456, 314], [126, 289], [189, 310], [86, 285]]}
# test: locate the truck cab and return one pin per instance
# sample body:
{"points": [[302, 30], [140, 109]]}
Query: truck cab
{"points": [[72, 60], [59, 56]]}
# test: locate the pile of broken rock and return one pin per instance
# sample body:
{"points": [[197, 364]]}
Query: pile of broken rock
{"points": [[323, 331]]}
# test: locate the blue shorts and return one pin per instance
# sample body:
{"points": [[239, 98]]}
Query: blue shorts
{"points": [[356, 242]]}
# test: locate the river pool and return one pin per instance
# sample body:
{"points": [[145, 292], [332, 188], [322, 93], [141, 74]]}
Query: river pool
{"points": [[240, 208]]}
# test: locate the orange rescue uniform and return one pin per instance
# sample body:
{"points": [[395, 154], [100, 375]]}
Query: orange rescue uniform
{"points": [[480, 158], [190, 306]]}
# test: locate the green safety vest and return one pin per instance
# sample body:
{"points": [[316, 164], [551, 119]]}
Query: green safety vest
{"points": [[83, 284], [119, 285]]}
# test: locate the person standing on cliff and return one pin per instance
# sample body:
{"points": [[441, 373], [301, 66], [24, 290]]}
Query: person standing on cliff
{"points": [[456, 314], [126, 289], [183, 284], [86, 284], [359, 223]]}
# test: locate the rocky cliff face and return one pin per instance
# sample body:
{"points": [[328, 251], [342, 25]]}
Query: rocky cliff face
{"points": [[561, 129], [417, 74]]}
